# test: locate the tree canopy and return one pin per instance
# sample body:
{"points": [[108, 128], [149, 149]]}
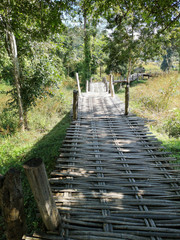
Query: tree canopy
{"points": [[43, 41]]}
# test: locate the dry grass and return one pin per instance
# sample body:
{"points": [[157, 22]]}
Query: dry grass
{"points": [[158, 98]]}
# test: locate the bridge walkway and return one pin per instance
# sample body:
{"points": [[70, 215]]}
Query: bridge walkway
{"points": [[113, 179]]}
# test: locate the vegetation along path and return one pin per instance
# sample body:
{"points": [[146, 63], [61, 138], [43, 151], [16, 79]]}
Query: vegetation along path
{"points": [[112, 179]]}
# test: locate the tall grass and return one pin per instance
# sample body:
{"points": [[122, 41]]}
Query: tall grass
{"points": [[159, 99]]}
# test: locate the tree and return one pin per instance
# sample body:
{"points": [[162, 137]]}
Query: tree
{"points": [[167, 61], [135, 27], [175, 41], [21, 23]]}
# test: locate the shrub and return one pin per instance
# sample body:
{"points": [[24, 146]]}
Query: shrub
{"points": [[172, 125], [8, 121]]}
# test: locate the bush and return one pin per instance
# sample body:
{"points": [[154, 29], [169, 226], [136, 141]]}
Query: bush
{"points": [[172, 126], [8, 122]]}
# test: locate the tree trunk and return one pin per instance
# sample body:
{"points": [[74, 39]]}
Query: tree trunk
{"points": [[87, 49], [127, 88], [13, 54], [12, 204], [25, 120]]}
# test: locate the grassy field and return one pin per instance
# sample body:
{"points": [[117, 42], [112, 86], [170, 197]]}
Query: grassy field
{"points": [[158, 99], [48, 122]]}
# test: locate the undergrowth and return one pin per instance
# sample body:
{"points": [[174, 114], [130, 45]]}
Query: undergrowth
{"points": [[47, 124]]}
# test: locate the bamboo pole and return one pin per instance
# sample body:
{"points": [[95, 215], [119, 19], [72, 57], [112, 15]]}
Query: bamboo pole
{"points": [[106, 84], [127, 88], [127, 99], [87, 86], [12, 204], [77, 79], [111, 86], [37, 177], [75, 104]]}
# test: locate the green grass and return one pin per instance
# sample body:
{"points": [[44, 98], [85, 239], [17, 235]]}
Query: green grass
{"points": [[48, 122], [171, 144]]}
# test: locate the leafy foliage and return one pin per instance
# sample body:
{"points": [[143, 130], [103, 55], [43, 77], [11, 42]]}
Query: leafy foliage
{"points": [[172, 126]]}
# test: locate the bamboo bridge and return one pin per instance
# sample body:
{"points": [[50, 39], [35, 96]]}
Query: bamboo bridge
{"points": [[113, 179]]}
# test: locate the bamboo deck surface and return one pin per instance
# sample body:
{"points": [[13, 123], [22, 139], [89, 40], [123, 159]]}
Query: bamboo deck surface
{"points": [[113, 179]]}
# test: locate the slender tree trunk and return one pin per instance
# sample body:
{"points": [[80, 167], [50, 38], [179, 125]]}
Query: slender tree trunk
{"points": [[25, 120], [13, 54], [127, 88], [87, 49]]}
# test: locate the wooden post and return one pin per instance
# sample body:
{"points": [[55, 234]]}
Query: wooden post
{"points": [[87, 86], [77, 79], [105, 82], [127, 99], [12, 204], [90, 85], [37, 177], [75, 104], [111, 86]]}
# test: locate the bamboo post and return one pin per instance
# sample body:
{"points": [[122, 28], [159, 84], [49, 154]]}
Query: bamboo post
{"points": [[75, 104], [12, 204], [105, 82], [37, 177], [111, 86], [127, 99], [77, 79], [87, 86]]}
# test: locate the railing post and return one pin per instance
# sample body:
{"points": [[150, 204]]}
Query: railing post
{"points": [[105, 82], [111, 86], [37, 177], [12, 204], [77, 79], [87, 86], [75, 104], [127, 99]]}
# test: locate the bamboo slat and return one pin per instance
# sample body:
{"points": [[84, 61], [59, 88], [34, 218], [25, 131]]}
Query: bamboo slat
{"points": [[113, 179]]}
